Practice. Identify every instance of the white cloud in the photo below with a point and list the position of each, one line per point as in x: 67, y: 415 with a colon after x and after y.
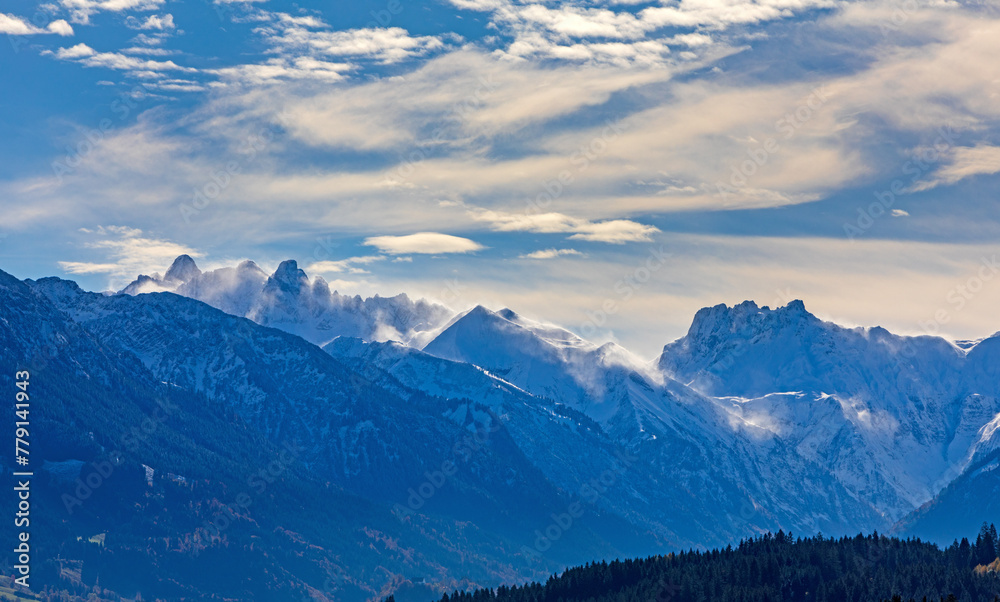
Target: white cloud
x: 297, y: 35
x: 146, y: 50
x: 302, y: 21
x: 440, y: 128
x: 551, y: 254
x: 13, y: 25
x: 445, y: 124
x: 150, y: 39
x: 81, y: 10
x: 130, y: 251
x: 423, y: 243
x: 616, y: 231
x: 304, y: 48
x: 75, y: 52
x: 60, y: 27
x: 79, y: 267
x: 900, y: 213
x: 454, y: 99
x: 570, y: 31
x: 280, y: 69
x: 152, y: 22
x: 348, y: 265
x: 720, y: 14
x: 573, y: 21
x: 17, y: 26
x: 690, y: 39
x: 177, y: 85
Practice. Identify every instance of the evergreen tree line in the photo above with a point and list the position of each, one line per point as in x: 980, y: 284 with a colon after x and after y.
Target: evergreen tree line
x: 780, y: 568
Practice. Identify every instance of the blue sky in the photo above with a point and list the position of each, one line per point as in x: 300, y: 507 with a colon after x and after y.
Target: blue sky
x: 558, y: 158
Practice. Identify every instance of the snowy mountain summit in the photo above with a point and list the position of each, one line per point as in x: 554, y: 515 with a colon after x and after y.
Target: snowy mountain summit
x: 289, y: 300
x: 894, y: 417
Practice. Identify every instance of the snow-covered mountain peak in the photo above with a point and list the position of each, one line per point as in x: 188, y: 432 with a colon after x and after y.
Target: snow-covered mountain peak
x: 346, y: 346
x: 506, y: 331
x: 183, y: 269
x: 289, y: 300
x: 288, y: 278
x: 748, y: 318
x: 250, y: 267
x: 52, y: 286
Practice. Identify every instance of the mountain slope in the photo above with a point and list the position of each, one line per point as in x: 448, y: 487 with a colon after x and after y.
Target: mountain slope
x: 730, y: 476
x: 364, y: 432
x: 961, y: 507
x: 157, y: 470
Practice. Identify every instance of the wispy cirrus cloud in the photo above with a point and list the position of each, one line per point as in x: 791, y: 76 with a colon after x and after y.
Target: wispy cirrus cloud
x: 457, y: 128
x: 964, y: 162
x: 460, y: 98
x: 88, y: 57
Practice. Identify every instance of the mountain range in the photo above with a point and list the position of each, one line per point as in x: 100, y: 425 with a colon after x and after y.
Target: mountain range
x: 433, y: 450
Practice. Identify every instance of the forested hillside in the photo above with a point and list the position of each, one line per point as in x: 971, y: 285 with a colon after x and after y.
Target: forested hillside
x: 779, y: 567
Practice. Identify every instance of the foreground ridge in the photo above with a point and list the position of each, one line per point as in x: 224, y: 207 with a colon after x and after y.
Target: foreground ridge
x: 871, y: 568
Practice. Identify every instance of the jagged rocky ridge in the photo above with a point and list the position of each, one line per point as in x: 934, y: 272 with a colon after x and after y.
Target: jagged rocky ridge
x: 291, y: 301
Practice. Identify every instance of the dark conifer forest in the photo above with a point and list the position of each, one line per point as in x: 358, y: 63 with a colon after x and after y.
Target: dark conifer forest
x: 781, y: 568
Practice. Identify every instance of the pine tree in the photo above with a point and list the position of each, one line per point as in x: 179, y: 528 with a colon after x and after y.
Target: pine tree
x: 986, y: 545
